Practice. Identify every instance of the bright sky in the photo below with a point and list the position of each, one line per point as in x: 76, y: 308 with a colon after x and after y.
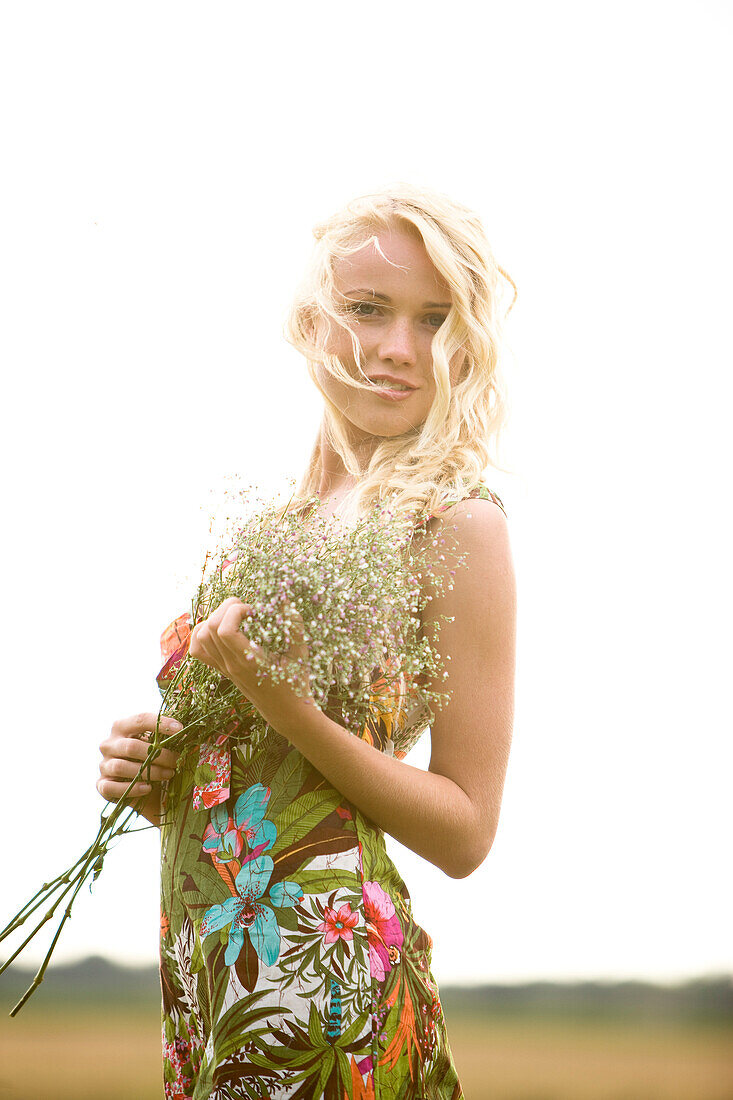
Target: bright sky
x: 164, y: 165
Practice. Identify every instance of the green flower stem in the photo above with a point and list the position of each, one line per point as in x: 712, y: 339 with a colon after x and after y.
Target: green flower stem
x: 42, y: 969
x: 48, y: 889
x: 91, y: 866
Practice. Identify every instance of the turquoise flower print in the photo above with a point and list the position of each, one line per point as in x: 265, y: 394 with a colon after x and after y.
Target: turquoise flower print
x: 225, y: 836
x: 247, y: 914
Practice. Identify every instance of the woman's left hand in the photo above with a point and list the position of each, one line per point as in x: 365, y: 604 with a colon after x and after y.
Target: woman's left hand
x: 219, y: 642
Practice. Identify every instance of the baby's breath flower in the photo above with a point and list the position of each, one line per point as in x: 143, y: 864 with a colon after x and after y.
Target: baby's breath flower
x: 357, y: 591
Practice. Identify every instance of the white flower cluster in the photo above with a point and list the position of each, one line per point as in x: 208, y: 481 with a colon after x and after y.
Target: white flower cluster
x: 352, y: 595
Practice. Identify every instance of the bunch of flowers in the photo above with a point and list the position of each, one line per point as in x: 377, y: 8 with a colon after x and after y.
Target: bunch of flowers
x: 353, y: 594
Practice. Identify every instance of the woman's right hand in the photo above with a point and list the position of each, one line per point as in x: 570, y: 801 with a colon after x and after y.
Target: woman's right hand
x: 122, y: 754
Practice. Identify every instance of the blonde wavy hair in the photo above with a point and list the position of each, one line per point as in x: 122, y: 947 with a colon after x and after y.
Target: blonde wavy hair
x: 445, y: 457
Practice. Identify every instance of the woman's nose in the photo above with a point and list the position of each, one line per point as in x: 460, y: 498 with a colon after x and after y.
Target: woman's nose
x: 398, y: 341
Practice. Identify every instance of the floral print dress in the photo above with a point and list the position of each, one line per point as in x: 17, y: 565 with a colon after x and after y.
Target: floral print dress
x: 291, y: 965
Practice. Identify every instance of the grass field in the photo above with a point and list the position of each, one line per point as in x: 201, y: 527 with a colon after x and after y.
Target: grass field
x: 87, y: 1053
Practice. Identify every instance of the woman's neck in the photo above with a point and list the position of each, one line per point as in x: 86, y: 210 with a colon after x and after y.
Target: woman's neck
x: 331, y: 496
x: 336, y: 481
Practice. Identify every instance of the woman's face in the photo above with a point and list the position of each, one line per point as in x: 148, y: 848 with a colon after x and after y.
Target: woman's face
x: 394, y: 312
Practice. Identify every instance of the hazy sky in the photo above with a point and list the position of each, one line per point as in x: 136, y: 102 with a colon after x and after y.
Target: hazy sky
x: 163, y: 167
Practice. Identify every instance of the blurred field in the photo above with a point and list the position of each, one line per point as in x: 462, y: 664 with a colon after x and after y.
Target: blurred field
x: 546, y: 1059
x: 56, y: 1052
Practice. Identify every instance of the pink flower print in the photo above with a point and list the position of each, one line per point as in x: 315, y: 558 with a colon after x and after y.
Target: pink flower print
x: 383, y: 929
x: 213, y: 774
x: 221, y: 840
x: 338, y: 925
x: 178, y: 1056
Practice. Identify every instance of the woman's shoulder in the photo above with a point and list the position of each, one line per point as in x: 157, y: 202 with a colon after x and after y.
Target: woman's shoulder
x: 479, y: 535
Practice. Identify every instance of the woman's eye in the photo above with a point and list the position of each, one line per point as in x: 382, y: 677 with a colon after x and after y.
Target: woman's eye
x: 369, y: 309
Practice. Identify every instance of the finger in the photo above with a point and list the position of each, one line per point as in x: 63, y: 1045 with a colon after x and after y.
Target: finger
x: 162, y: 767
x: 137, y: 725
x: 220, y: 637
x: 120, y: 768
x: 224, y: 606
x: 211, y: 623
x: 204, y: 648
x: 113, y: 792
x: 202, y: 644
x: 230, y: 632
x: 129, y: 748
x: 167, y: 758
x: 133, y: 749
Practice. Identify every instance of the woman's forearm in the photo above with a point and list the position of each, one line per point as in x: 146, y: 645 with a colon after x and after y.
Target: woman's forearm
x: 428, y: 812
x: 425, y: 811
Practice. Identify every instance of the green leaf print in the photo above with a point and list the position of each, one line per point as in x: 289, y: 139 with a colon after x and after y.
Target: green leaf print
x: 315, y: 1028
x: 237, y: 1022
x: 326, y: 1071
x: 343, y: 1063
x: 208, y: 882
x: 303, y: 817
x: 204, y: 774
x: 202, y: 993
x: 197, y: 957
x: 169, y: 1030
x: 321, y: 882
x: 322, y: 796
x: 287, y: 781
x: 204, y: 1082
x: 353, y: 1030
x: 286, y: 918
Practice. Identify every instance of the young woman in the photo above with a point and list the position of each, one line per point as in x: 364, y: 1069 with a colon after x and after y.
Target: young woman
x: 291, y: 965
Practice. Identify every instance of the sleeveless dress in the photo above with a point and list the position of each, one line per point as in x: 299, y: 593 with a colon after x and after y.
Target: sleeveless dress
x: 291, y: 966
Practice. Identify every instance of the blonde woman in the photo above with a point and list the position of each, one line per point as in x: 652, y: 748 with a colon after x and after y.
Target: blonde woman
x: 306, y: 975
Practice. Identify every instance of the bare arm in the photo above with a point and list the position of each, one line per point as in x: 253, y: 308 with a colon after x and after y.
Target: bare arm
x: 448, y: 815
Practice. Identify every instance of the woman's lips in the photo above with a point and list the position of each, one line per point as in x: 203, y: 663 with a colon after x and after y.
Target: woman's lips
x: 392, y: 395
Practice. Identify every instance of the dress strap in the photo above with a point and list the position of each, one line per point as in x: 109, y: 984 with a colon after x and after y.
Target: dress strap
x: 480, y: 492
